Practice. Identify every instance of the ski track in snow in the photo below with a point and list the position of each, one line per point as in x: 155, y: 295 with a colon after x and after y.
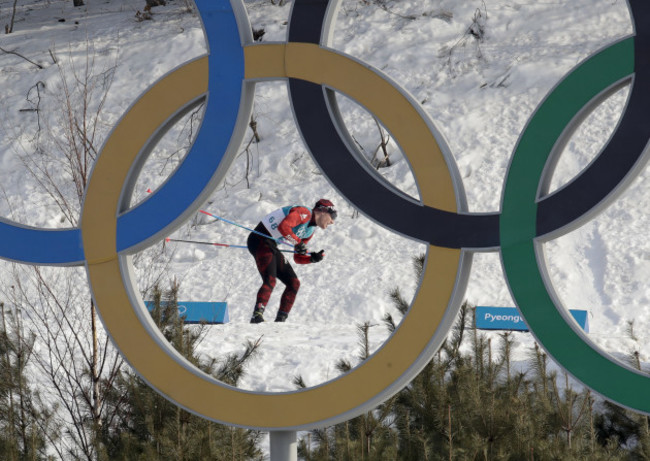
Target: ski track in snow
x: 479, y: 95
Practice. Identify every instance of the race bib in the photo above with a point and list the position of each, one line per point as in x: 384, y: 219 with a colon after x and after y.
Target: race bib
x: 272, y: 221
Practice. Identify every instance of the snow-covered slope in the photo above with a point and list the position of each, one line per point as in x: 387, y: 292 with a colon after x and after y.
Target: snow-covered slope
x: 478, y: 93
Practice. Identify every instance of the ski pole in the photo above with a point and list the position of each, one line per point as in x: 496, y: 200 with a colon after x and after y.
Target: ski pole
x: 149, y: 191
x: 244, y: 227
x: 223, y: 245
x: 197, y: 242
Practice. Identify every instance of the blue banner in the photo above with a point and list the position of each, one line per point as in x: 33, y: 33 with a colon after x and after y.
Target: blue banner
x: 196, y: 312
x: 508, y: 318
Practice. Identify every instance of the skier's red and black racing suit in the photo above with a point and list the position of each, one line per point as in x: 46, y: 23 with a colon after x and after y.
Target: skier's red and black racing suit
x: 295, y: 224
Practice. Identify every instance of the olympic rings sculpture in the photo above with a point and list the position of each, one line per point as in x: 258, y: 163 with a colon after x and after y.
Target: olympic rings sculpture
x: 110, y: 231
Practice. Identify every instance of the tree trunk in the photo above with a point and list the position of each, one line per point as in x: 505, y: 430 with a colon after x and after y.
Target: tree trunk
x: 450, y: 437
x: 95, y: 373
x: 78, y: 2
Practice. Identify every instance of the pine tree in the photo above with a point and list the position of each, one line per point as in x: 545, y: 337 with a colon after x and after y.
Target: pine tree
x: 153, y: 428
x: 364, y: 438
x: 25, y: 421
x: 468, y: 404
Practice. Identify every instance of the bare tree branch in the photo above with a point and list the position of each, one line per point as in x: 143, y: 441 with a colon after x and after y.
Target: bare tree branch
x: 21, y: 56
x: 9, y: 28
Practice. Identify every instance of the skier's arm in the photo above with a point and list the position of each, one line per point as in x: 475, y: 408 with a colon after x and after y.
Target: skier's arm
x: 298, y: 215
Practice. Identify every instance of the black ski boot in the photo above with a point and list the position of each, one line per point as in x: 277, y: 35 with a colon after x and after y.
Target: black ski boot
x: 258, y: 314
x: 281, y: 317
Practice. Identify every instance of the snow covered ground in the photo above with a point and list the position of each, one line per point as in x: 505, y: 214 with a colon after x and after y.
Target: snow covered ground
x: 479, y: 95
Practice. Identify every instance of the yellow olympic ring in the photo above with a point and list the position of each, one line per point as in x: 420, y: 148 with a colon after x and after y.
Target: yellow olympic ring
x: 110, y: 273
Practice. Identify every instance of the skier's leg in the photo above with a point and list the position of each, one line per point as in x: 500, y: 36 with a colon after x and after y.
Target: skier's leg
x: 287, y: 276
x: 266, y: 262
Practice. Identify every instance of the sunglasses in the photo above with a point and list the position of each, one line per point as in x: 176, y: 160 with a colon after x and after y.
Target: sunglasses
x: 330, y: 210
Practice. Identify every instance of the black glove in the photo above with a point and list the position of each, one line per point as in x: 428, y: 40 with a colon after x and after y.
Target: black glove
x: 301, y: 248
x: 317, y: 257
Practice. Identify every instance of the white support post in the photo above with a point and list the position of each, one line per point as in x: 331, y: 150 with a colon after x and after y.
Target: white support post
x: 284, y: 446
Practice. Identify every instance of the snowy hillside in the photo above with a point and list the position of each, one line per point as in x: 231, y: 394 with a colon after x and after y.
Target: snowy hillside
x: 478, y: 93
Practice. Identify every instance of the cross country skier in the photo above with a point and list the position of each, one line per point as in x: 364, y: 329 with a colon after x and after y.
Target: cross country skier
x: 295, y: 224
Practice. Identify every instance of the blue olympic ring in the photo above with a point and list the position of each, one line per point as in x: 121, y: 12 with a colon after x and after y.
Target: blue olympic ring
x: 186, y: 188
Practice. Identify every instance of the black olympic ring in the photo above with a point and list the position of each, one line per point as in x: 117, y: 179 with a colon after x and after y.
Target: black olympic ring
x: 571, y: 205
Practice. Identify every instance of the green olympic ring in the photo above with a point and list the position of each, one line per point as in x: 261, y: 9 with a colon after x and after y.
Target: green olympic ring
x: 522, y: 252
